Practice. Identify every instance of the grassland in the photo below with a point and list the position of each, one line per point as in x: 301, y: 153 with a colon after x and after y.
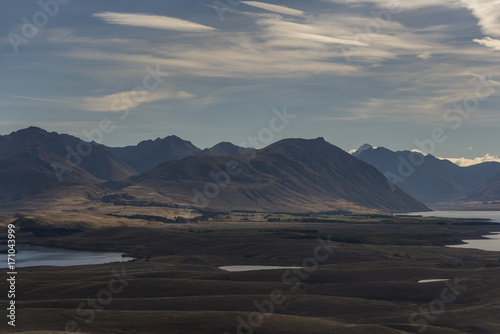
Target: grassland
x: 368, y: 284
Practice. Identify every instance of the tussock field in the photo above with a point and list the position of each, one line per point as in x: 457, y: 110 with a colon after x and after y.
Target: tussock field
x: 361, y: 278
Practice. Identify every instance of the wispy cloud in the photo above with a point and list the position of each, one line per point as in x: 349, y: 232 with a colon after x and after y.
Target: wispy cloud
x: 426, y: 55
x: 275, y: 8
x: 489, y: 43
x: 464, y: 162
x: 273, y: 53
x: 280, y: 48
x: 129, y: 99
x: 151, y: 21
x: 403, y: 5
x: 487, y: 12
x: 272, y: 46
x: 38, y: 99
x: 58, y: 35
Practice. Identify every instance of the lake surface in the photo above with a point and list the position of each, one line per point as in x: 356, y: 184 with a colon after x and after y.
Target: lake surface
x: 30, y: 256
x: 492, y: 241
x: 433, y: 280
x: 252, y: 268
x: 493, y: 215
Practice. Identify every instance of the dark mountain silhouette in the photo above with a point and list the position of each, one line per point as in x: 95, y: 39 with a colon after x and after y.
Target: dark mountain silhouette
x: 92, y: 157
x: 28, y: 170
x: 150, y: 153
x: 223, y: 149
x: 427, y: 178
x: 291, y: 175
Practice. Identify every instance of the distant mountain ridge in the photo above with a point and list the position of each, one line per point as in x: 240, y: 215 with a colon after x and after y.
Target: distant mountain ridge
x: 150, y: 153
x: 223, y: 149
x: 294, y: 174
x: 92, y: 157
x: 27, y: 170
x: 434, y: 180
x: 116, y: 163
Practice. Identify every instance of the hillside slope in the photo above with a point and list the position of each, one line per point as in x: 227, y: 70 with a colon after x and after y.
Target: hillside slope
x: 432, y: 181
x: 290, y: 175
x: 92, y: 157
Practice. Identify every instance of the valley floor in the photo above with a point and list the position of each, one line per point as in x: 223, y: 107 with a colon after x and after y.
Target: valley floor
x: 361, y: 278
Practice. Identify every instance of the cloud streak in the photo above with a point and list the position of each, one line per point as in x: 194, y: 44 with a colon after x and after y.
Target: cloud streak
x: 489, y: 43
x: 151, y: 21
x: 464, y: 162
x: 129, y: 99
x: 402, y: 4
x: 275, y: 8
x: 38, y: 99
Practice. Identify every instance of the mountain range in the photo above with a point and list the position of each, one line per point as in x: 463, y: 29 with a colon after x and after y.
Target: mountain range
x: 149, y: 153
x: 96, y: 159
x: 26, y: 170
x: 291, y: 175
x: 432, y: 180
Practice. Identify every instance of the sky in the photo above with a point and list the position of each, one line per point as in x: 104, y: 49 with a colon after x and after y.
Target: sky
x: 422, y: 75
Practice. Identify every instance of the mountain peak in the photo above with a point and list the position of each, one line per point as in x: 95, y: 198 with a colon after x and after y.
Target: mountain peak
x: 224, y: 148
x: 173, y: 137
x: 300, y: 142
x: 30, y: 130
x: 364, y: 147
x: 307, y: 148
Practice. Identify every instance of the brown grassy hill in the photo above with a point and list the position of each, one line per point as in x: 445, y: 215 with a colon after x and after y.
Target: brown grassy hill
x: 291, y: 175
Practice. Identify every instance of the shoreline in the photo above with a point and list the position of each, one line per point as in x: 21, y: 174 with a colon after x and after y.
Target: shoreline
x: 348, y: 233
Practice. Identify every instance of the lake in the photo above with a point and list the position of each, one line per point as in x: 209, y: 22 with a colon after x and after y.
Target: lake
x: 491, y: 243
x: 30, y: 256
x: 493, y: 215
x: 433, y: 280
x: 252, y: 268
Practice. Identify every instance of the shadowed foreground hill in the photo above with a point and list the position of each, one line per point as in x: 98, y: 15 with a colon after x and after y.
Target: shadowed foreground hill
x: 291, y: 175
